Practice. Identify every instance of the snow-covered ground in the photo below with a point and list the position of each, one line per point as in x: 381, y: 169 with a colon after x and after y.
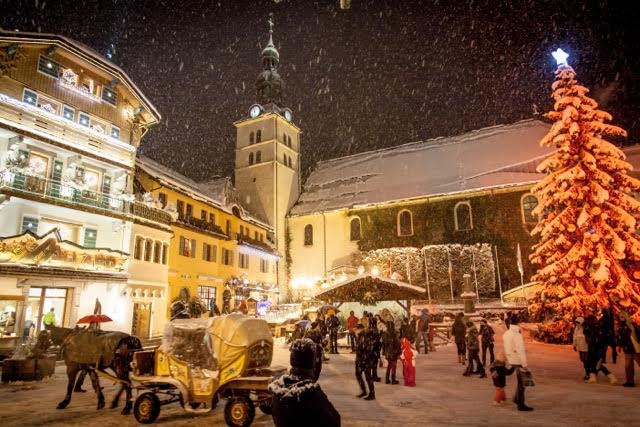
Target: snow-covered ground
x: 443, y: 397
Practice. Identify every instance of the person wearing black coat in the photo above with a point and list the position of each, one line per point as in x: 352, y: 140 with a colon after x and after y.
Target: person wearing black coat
x: 626, y: 329
x: 365, y: 360
x: 315, y: 335
x: 607, y: 324
x: 406, y: 331
x: 376, y: 342
x: 459, y: 332
x: 391, y: 350
x: 296, y: 398
x: 486, y: 334
x: 333, y: 325
x: 593, y: 332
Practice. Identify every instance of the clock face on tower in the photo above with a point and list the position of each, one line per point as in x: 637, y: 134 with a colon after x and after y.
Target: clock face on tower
x: 287, y: 115
x: 255, y: 111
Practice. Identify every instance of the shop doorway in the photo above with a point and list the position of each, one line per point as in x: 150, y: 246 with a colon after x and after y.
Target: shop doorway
x: 141, y: 319
x: 41, y: 301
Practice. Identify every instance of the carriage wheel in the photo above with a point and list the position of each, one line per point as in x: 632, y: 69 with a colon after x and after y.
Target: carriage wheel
x: 147, y: 408
x: 239, y: 411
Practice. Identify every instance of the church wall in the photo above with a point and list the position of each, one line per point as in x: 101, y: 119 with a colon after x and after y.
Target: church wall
x: 497, y: 220
x: 331, y: 248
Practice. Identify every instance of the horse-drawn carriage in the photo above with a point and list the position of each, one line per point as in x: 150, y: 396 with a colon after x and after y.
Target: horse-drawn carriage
x: 203, y: 360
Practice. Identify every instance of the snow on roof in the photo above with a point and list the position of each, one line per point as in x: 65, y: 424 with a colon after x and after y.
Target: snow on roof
x: 218, y: 191
x: 81, y: 50
x: 498, y: 155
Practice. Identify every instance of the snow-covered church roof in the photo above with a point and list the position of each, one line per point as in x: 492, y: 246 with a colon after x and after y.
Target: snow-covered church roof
x: 496, y: 156
x: 218, y: 191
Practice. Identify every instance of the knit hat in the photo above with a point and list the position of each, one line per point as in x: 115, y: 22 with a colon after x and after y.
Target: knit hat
x: 303, y: 357
x: 580, y: 320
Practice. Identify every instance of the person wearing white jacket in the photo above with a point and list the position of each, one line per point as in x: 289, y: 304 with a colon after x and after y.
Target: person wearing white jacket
x: 516, y: 357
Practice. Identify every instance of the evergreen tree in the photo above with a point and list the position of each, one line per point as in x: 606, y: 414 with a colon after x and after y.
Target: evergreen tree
x: 589, y: 252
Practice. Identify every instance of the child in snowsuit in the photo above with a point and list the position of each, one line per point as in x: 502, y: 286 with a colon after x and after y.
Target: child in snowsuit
x: 408, y: 357
x: 499, y: 374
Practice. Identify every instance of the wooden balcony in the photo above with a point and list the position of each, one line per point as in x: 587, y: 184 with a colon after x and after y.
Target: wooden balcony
x: 40, y: 124
x: 48, y: 191
x: 143, y: 211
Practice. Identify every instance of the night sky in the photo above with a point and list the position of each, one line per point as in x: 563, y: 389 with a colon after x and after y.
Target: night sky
x: 384, y: 73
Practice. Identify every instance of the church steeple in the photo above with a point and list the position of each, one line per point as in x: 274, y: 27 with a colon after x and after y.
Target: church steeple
x: 269, y: 84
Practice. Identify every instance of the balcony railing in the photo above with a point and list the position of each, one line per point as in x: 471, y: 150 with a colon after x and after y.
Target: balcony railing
x: 241, y: 238
x: 56, y: 191
x: 201, y: 224
x: 38, y: 121
x: 156, y: 215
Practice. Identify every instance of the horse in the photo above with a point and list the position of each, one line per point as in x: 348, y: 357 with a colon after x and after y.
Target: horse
x: 91, y: 350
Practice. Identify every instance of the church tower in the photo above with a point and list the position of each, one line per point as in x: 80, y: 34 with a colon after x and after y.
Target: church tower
x: 267, y: 166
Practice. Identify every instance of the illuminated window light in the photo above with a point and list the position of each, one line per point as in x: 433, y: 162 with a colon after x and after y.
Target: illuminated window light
x: 49, y: 65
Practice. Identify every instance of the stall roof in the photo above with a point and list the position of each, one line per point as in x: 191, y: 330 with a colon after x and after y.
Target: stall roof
x: 382, y: 289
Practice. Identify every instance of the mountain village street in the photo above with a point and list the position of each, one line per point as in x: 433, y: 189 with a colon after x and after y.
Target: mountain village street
x: 442, y: 397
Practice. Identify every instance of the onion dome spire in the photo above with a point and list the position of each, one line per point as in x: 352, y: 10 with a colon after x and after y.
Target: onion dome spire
x: 269, y: 84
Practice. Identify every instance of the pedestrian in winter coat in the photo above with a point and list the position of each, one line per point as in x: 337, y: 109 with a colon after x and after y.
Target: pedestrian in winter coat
x: 333, y: 325
x: 486, y: 337
x: 364, y: 362
x: 473, y: 348
x: 391, y: 351
x: 607, y: 324
x: 629, y: 340
x: 406, y: 331
x: 459, y: 333
x: 408, y: 357
x: 296, y: 398
x: 423, y: 331
x: 352, y: 322
x: 580, y: 345
x: 516, y: 356
x: 315, y: 335
x: 593, y: 331
x: 499, y: 372
x: 376, y: 344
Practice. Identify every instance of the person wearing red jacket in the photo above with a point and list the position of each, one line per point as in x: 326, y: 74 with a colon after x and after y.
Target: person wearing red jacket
x: 408, y: 357
x: 352, y: 322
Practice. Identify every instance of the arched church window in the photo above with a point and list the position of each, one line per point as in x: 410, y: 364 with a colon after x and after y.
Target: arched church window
x: 290, y: 162
x: 529, y: 203
x: 284, y: 159
x: 308, y: 235
x: 405, y: 223
x: 251, y: 136
x: 258, y: 157
x: 355, y: 230
x: 250, y: 159
x: 289, y: 141
x: 462, y: 216
x: 258, y: 136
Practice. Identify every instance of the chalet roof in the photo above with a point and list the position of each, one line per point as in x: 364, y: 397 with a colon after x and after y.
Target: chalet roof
x: 495, y: 156
x: 85, y: 52
x: 218, y: 191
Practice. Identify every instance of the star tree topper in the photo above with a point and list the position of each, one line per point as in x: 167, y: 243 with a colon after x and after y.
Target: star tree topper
x: 560, y: 57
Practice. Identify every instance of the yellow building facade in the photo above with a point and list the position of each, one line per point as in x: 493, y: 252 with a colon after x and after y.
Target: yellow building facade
x: 216, y: 244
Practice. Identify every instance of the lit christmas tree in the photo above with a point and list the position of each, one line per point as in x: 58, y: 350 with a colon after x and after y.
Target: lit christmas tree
x: 588, y: 253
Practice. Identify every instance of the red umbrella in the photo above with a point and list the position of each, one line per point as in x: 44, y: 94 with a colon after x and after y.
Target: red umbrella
x: 95, y: 318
